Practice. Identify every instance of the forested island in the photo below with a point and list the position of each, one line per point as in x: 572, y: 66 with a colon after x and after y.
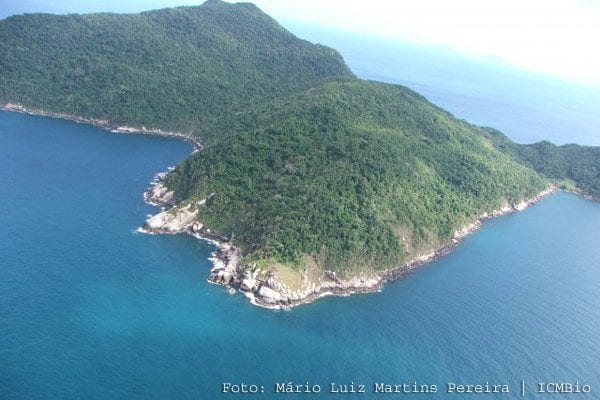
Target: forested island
x: 310, y: 181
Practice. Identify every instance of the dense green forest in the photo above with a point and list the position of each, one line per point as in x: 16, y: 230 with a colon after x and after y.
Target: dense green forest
x: 183, y: 68
x: 302, y: 160
x: 571, y: 165
x: 353, y: 173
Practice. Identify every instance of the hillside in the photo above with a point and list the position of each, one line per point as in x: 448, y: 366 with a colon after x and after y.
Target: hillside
x: 307, y: 172
x: 183, y: 68
x: 572, y: 166
x: 352, y: 174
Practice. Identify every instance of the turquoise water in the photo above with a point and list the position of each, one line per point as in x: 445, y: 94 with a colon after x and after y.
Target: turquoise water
x: 90, y: 309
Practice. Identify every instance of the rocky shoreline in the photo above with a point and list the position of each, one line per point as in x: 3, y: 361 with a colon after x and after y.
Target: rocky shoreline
x: 104, y: 124
x: 175, y: 219
x: 265, y: 289
x: 460, y: 234
x: 583, y: 194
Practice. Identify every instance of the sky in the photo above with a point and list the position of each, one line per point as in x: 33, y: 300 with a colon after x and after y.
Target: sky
x: 556, y: 37
x: 553, y: 37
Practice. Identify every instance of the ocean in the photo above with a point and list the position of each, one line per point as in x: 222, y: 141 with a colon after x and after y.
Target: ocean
x: 527, y: 107
x: 92, y: 309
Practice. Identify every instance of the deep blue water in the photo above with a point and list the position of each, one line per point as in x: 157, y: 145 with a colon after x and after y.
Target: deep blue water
x: 91, y: 309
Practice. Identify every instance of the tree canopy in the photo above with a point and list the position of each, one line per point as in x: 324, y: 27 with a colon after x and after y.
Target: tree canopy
x: 302, y: 159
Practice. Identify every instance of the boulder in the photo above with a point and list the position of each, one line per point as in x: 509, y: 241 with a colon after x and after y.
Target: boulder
x: 269, y: 295
x: 248, y: 284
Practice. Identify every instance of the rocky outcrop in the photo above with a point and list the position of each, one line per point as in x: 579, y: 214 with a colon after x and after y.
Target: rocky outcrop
x: 183, y: 219
x: 265, y: 288
x: 158, y: 194
x: 175, y: 220
x: 270, y: 292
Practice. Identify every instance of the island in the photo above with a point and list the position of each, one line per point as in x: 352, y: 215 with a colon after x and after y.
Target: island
x: 308, y: 180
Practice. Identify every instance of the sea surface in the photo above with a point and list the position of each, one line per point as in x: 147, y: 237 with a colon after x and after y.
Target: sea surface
x: 526, y: 107
x: 91, y: 309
